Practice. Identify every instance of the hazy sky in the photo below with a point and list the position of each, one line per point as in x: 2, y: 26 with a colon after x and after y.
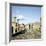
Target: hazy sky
x: 28, y: 14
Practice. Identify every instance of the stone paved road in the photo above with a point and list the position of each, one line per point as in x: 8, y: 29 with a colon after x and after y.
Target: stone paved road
x: 28, y: 35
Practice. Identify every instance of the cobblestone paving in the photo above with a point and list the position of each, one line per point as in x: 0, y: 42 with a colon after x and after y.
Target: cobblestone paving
x: 28, y: 35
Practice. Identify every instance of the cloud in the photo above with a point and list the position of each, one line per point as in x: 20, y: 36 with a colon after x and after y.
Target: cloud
x: 21, y: 17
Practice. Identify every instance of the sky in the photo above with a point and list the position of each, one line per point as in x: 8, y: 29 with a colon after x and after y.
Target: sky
x: 26, y: 14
